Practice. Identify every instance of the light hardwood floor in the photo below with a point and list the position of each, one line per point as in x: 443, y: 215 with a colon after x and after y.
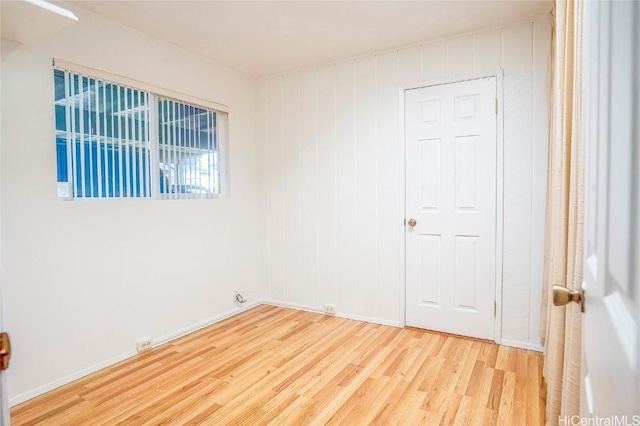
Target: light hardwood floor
x: 272, y: 365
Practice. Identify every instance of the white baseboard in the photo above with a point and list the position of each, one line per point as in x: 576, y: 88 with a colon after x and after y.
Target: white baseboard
x: 297, y: 306
x: 202, y: 324
x: 70, y: 378
x: 522, y: 345
x: 111, y: 361
x: 317, y: 310
x: 512, y: 343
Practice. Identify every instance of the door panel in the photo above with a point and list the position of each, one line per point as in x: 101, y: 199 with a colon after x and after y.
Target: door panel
x: 430, y: 276
x: 610, y: 335
x: 466, y: 163
x: 451, y: 193
x: 430, y: 174
x: 466, y: 282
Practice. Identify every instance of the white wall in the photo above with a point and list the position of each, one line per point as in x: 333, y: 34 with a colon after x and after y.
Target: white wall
x: 83, y: 279
x: 333, y: 171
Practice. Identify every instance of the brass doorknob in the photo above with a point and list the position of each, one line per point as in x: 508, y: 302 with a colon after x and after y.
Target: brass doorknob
x: 5, y: 351
x: 412, y: 222
x: 563, y: 296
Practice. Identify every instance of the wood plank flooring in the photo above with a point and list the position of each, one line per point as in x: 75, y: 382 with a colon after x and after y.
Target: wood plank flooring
x: 272, y: 365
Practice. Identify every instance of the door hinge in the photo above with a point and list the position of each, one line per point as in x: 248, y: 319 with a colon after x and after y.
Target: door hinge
x: 496, y: 105
x: 495, y: 308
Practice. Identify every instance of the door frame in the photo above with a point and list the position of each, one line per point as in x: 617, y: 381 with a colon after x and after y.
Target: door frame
x: 498, y: 74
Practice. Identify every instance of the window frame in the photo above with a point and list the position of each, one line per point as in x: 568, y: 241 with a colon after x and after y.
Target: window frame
x: 155, y: 93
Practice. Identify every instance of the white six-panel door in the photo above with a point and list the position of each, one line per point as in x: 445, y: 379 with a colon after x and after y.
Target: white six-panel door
x: 611, y: 323
x: 450, y: 137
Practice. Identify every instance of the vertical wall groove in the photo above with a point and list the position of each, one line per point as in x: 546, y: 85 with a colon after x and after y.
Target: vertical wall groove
x: 376, y: 185
x: 283, y: 217
x: 266, y: 177
x: 532, y: 224
x: 299, y: 188
x: 317, y: 131
x: 355, y: 181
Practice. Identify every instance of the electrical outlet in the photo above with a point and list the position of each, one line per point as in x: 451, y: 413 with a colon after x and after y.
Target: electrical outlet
x: 143, y: 344
x: 330, y: 309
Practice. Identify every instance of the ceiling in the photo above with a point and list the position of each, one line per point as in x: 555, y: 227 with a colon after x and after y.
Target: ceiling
x: 24, y: 23
x: 267, y: 37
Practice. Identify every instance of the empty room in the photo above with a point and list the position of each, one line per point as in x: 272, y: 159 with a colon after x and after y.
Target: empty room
x: 320, y: 212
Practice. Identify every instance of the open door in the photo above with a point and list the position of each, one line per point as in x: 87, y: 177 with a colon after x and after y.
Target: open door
x: 610, y: 354
x: 4, y: 358
x: 5, y: 353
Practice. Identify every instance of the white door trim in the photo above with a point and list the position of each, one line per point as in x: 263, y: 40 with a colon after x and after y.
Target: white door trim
x: 498, y: 74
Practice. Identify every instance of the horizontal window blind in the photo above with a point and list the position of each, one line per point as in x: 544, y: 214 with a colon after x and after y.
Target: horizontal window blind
x: 114, y: 141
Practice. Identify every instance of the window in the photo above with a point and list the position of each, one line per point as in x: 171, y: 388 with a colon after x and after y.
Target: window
x: 116, y: 141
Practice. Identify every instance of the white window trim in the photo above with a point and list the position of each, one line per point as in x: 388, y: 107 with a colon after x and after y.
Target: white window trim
x: 139, y: 85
